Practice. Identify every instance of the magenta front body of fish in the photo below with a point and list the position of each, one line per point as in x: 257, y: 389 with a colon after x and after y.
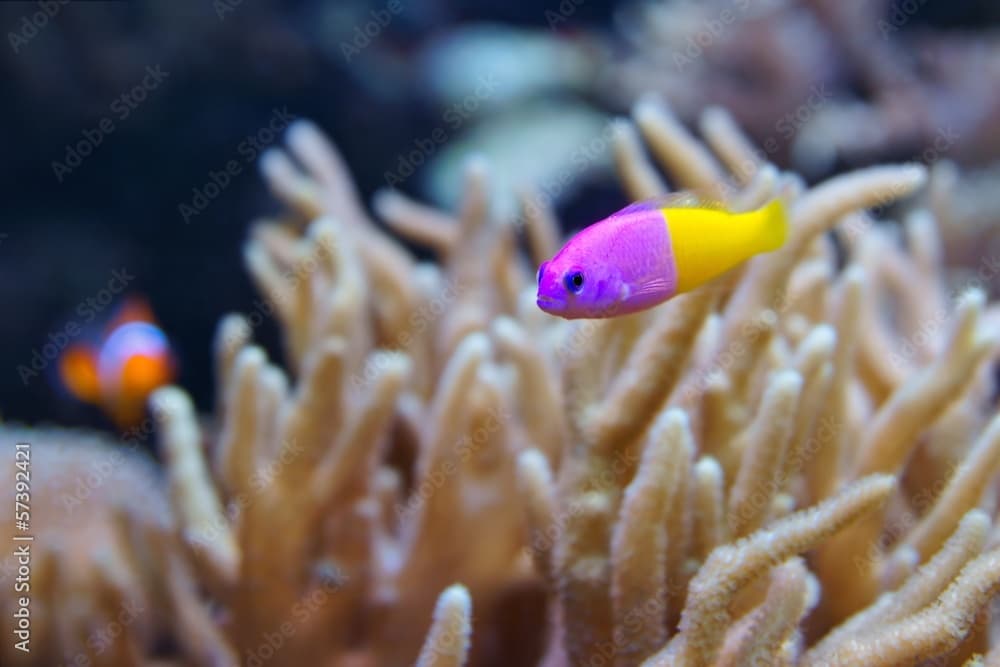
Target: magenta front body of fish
x: 619, y: 265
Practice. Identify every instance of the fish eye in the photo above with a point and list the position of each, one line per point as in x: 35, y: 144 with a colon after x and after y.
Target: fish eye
x: 574, y: 282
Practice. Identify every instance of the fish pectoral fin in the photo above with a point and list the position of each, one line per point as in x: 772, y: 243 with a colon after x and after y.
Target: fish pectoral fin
x: 653, y: 286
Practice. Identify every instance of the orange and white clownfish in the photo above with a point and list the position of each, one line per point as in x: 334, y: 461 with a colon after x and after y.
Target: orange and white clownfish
x: 118, y: 369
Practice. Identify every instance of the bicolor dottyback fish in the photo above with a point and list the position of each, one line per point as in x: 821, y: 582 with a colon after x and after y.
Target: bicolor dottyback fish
x: 652, y: 250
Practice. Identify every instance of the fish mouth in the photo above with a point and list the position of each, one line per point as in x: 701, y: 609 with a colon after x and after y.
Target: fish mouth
x: 547, y: 303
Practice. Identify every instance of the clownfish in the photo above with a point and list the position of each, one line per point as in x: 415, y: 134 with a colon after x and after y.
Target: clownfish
x: 651, y: 251
x: 120, y: 368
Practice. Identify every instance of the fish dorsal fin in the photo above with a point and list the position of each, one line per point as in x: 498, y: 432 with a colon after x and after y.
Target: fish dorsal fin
x: 687, y: 199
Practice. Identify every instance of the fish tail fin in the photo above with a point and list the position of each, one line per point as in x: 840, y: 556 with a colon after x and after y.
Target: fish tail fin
x: 773, y: 220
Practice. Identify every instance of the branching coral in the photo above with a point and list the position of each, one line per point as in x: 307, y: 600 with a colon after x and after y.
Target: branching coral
x: 768, y: 470
x: 104, y: 582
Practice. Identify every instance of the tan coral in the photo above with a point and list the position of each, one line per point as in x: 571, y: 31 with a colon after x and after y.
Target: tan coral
x: 91, y: 569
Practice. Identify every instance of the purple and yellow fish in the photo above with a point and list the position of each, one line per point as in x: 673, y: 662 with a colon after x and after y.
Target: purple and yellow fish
x: 652, y: 250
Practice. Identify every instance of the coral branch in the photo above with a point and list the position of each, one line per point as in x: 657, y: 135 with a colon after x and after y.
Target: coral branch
x: 731, y: 567
x: 314, y: 417
x: 914, y: 406
x: 538, y: 392
x: 539, y: 502
x: 764, y: 444
x: 637, y: 173
x: 356, y: 451
x: 729, y: 142
x: 920, y: 590
x: 688, y: 160
x: 814, y: 213
x: 639, y: 544
x: 930, y: 633
x: 651, y: 370
x: 232, y: 334
x: 236, y: 453
x: 768, y: 627
x: 541, y: 227
x: 709, y: 507
x: 963, y: 491
x: 203, y: 523
x: 447, y: 643
x: 417, y: 222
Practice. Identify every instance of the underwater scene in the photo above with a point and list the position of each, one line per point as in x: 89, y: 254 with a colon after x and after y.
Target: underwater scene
x: 568, y: 333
